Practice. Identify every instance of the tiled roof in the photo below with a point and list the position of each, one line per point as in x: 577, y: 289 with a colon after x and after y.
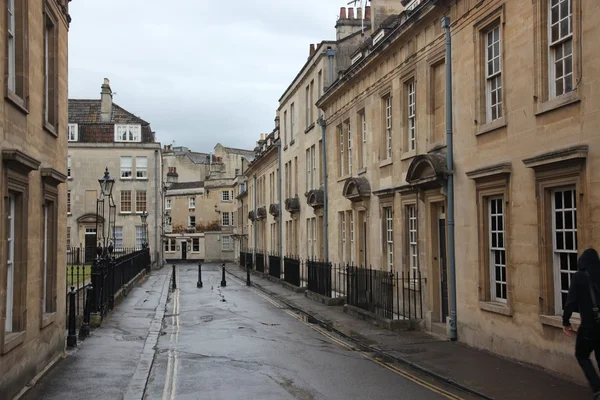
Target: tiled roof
x: 243, y: 152
x: 199, y: 158
x: 88, y: 112
x: 187, y: 185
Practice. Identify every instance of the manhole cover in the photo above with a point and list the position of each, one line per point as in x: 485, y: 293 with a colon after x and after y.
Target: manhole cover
x: 206, y: 318
x: 130, y: 338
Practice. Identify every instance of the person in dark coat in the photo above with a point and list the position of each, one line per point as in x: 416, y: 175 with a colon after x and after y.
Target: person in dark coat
x: 579, y: 300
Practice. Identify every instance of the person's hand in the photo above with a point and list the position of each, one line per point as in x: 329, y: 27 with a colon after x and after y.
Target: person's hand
x: 567, y: 330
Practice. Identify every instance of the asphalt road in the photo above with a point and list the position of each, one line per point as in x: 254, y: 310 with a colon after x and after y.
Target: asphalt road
x: 234, y: 342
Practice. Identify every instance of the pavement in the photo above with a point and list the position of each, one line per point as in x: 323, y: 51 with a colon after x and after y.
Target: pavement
x: 478, y: 372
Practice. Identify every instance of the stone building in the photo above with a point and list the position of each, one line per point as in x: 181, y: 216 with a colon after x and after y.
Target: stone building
x: 33, y: 130
x: 116, y: 139
x: 200, y: 210
x: 524, y: 149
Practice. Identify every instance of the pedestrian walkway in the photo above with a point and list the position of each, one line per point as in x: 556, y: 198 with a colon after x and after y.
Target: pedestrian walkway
x: 114, y: 362
x: 479, y: 371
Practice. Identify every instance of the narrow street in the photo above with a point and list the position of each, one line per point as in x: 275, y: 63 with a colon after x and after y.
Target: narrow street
x: 236, y: 343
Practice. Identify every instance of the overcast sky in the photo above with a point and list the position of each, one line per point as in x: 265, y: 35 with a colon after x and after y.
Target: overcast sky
x: 199, y: 71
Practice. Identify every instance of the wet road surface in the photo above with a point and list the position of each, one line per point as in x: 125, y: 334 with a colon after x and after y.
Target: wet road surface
x: 236, y: 343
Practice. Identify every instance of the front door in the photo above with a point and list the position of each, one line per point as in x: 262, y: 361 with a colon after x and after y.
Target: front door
x: 90, y: 245
x: 184, y: 250
x: 443, y: 265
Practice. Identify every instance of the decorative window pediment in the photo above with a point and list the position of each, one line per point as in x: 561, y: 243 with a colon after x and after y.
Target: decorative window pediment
x: 356, y: 189
x: 292, y: 205
x: 315, y: 198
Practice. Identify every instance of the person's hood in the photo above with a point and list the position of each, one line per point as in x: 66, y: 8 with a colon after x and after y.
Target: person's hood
x: 589, y: 261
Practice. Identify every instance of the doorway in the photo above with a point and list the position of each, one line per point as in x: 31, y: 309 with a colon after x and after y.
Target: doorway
x: 184, y: 250
x: 362, y: 244
x: 443, y: 262
x: 90, y: 245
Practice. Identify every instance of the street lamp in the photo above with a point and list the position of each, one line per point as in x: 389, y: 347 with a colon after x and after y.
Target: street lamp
x: 144, y: 217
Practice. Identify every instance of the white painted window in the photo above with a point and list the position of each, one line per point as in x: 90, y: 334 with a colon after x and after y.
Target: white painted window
x: 10, y: 261
x: 313, y: 156
x: 227, y: 195
x: 140, y: 201
x: 497, y: 250
x: 363, y: 123
x: 351, y: 217
x: 118, y: 245
x: 378, y: 37
x: 343, y: 236
x: 168, y: 203
x: 308, y: 106
x: 412, y: 116
x: 191, y: 202
x: 349, y: 149
x: 388, y: 127
x: 389, y: 236
x: 191, y: 220
x: 226, y: 243
x: 126, y: 167
x: 68, y: 202
x: 292, y: 131
x: 141, y: 167
x: 45, y: 260
x: 560, y: 40
x: 196, y: 244
x: 342, y: 145
x: 69, y: 167
x: 225, y: 220
x: 126, y: 201
x: 493, y: 74
x: 12, y: 47
x: 73, y: 132
x: 564, y: 241
x: 139, y: 236
x: 311, y: 229
x: 285, y: 128
x: 128, y: 133
x: 411, y: 214
x: 47, y: 77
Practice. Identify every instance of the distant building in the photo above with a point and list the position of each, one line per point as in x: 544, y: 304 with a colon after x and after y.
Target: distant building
x: 104, y: 135
x: 200, y: 211
x: 33, y: 122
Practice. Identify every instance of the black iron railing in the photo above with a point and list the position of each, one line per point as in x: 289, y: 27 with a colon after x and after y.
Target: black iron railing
x: 392, y: 295
x: 242, y: 259
x: 292, y: 270
x: 260, y: 261
x: 275, y: 266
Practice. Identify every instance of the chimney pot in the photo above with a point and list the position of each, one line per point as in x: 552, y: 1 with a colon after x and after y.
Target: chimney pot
x: 312, y: 49
x: 359, y: 13
x: 368, y: 13
x: 343, y: 13
x: 350, y: 13
x: 106, y: 101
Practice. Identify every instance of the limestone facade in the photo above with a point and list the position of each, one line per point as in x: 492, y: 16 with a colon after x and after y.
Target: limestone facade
x: 524, y: 108
x: 33, y: 134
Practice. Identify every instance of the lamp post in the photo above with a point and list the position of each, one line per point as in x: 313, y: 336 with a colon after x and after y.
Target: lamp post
x: 144, y: 218
x: 102, y: 274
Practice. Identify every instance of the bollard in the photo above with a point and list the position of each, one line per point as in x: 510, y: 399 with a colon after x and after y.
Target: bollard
x: 199, y: 284
x: 84, y: 331
x: 223, y: 282
x: 174, y: 277
x: 72, y: 336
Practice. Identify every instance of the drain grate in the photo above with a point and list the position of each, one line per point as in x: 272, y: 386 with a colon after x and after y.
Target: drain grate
x: 130, y: 338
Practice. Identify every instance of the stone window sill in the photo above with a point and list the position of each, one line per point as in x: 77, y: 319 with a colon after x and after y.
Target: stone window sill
x: 285, y: 147
x: 344, y: 177
x: 494, y: 307
x: 48, y: 127
x: 558, y: 102
x: 311, y: 126
x: 12, y: 340
x: 362, y: 171
x: 48, y: 319
x: 17, y: 101
x: 292, y: 142
x: 385, y: 163
x: 409, y: 154
x: 491, y: 126
x: 556, y: 321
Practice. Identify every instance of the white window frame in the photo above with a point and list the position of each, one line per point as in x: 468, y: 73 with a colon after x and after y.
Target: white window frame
x: 69, y: 199
x: 141, y: 168
x: 388, y: 216
x: 343, y: 235
x: 45, y: 259
x: 69, y: 176
x: 191, y: 203
x: 497, y: 247
x: 226, y: 243
x: 139, y: 236
x: 412, y: 115
x: 12, y: 46
x: 196, y: 245
x: 118, y: 237
x: 363, y: 121
x: 342, y: 145
x: 225, y: 221
x: 191, y: 221
x: 558, y: 47
x: 226, y: 196
x: 10, y: 262
x: 413, y: 252
x: 388, y: 127
x: 352, y: 249
x: 349, y: 163
x: 126, y: 167
x: 168, y: 203
x: 308, y: 106
x: 571, y: 254
x: 313, y: 165
x: 493, y: 74
x: 292, y: 123
x: 131, y: 201
x: 145, y: 201
x: 73, y: 132
x: 128, y: 133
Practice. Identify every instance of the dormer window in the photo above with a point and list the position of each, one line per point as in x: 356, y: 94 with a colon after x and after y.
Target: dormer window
x: 73, y: 133
x: 128, y: 133
x: 378, y: 37
x: 356, y: 58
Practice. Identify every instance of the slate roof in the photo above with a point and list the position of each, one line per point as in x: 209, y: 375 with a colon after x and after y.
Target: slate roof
x: 83, y: 111
x: 187, y: 185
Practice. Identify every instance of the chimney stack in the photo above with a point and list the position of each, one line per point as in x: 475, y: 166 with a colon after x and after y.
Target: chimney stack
x: 359, y: 13
x: 106, y: 101
x: 312, y: 50
x: 350, y: 13
x: 343, y: 13
x: 368, y: 13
